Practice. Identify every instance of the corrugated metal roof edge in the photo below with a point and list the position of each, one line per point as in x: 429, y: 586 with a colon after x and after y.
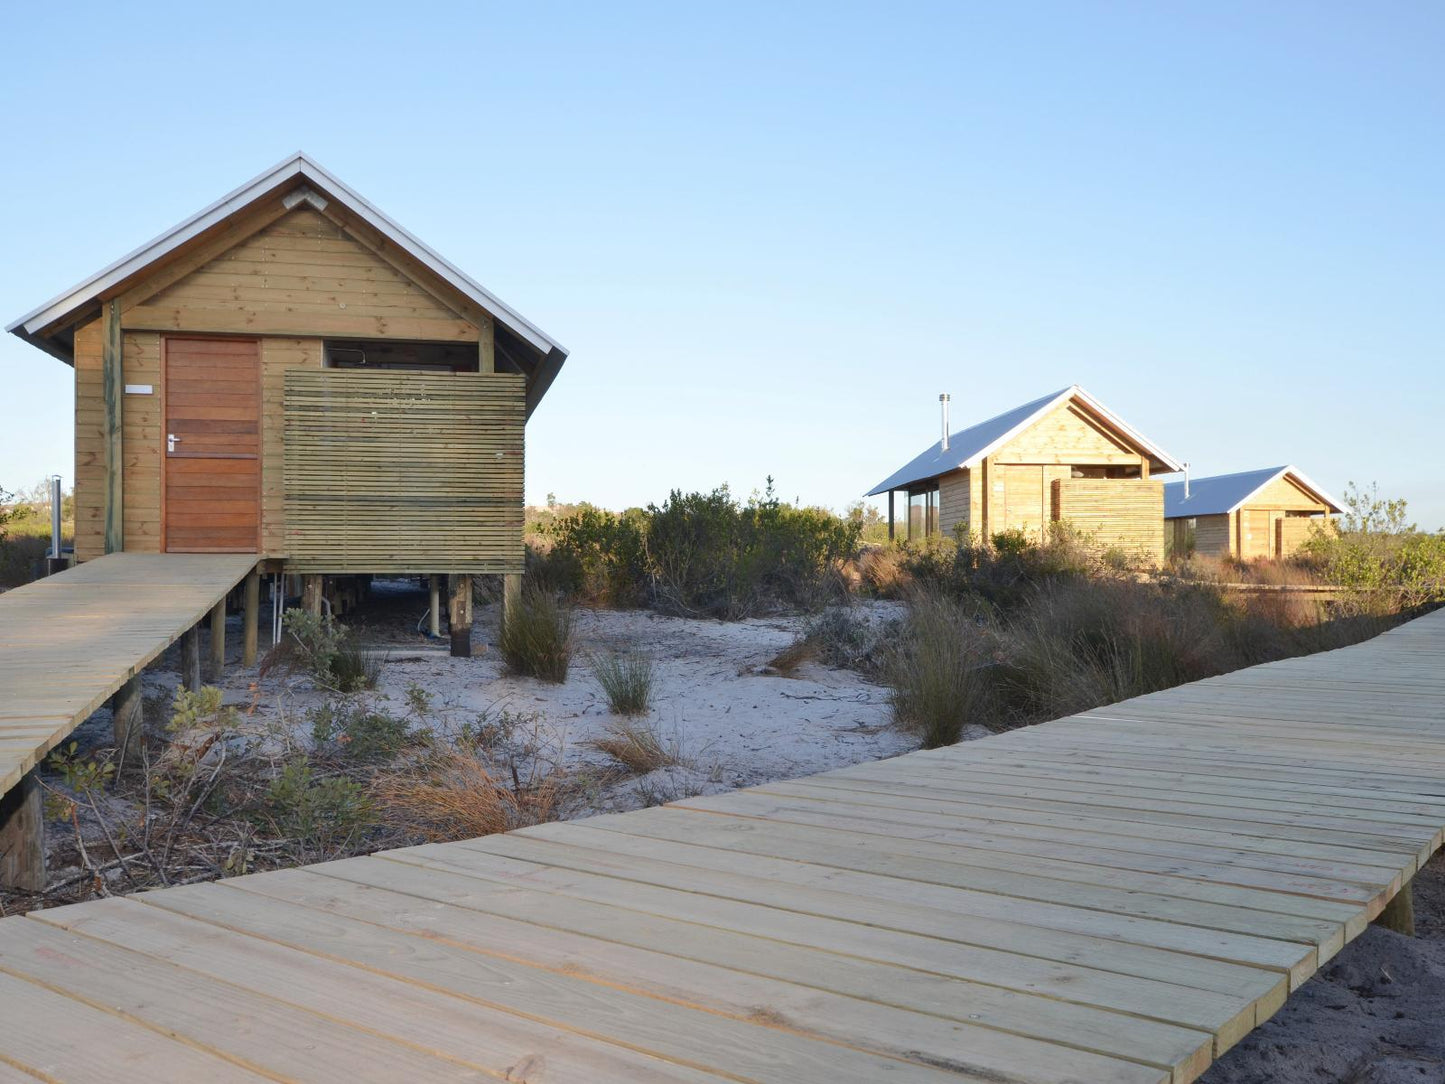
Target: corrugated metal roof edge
x: 1072, y: 391
x: 298, y: 164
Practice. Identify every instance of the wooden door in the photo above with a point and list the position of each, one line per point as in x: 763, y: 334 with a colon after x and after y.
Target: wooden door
x: 213, y: 445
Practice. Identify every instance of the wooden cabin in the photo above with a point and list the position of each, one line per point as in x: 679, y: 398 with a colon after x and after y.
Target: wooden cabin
x: 290, y: 373
x: 1063, y: 458
x: 1259, y: 513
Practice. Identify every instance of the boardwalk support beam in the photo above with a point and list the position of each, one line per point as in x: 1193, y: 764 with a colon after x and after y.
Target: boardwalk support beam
x: 1399, y: 913
x: 218, y: 639
x: 459, y: 614
x: 191, y: 658
x: 127, y: 713
x: 22, y: 836
x: 251, y: 615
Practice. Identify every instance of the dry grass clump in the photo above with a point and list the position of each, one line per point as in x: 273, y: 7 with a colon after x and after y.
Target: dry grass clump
x: 536, y: 637
x: 938, y: 671
x: 626, y: 677
x: 804, y: 649
x: 638, y: 746
x: 452, y: 794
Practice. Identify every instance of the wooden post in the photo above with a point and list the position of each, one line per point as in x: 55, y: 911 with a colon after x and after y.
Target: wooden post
x: 127, y: 719
x: 435, y: 625
x: 486, y: 348
x: 218, y: 639
x: 113, y: 376
x: 191, y: 658
x: 22, y: 836
x: 250, y: 618
x: 1399, y: 913
x: 459, y: 613
x: 311, y: 588
x: 511, y: 594
x: 890, y: 515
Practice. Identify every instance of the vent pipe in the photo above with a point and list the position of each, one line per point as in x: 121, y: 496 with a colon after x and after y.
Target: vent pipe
x: 943, y: 400
x: 1186, y: 481
x: 55, y: 516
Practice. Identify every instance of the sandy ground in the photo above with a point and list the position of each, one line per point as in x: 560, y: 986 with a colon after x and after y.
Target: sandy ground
x: 1373, y: 1015
x: 731, y: 720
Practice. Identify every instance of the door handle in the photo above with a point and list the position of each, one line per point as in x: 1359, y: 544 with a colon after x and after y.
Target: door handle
x: 171, y: 441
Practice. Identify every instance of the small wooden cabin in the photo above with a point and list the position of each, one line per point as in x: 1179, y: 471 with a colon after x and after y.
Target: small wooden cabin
x: 1258, y: 513
x: 290, y: 373
x: 1062, y: 458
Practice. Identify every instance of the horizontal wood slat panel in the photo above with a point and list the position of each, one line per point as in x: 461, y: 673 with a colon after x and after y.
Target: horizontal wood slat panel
x: 1118, y: 512
x: 393, y: 471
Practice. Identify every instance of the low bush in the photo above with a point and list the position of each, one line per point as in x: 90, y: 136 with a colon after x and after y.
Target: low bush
x: 594, y: 555
x: 326, y: 650
x: 536, y: 635
x: 357, y: 731
x: 327, y: 811
x: 626, y: 677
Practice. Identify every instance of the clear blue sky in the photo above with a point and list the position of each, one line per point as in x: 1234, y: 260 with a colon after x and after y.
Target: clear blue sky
x: 772, y: 234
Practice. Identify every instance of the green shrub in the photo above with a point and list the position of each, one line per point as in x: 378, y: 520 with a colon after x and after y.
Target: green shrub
x: 324, y: 812
x: 326, y: 650
x: 536, y: 635
x: 596, y: 555
x: 709, y: 555
x: 626, y: 677
x: 357, y: 732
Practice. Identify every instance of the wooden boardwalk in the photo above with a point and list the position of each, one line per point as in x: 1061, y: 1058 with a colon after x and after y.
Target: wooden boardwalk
x: 70, y: 641
x: 1117, y: 897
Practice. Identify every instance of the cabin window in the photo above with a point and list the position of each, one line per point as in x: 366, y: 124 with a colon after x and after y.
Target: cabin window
x: 922, y: 512
x: 410, y: 356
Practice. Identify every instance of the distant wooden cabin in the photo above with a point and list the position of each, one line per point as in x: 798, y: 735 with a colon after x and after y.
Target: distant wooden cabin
x: 290, y: 373
x: 1257, y: 513
x: 1063, y: 458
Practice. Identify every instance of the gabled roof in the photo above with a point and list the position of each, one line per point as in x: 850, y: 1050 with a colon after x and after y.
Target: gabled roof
x: 1224, y: 493
x: 294, y: 171
x: 968, y: 447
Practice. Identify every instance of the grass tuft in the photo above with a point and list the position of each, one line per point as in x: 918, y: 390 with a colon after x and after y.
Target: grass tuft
x: 638, y: 746
x: 451, y: 794
x: 938, y: 671
x: 536, y: 637
x: 626, y: 677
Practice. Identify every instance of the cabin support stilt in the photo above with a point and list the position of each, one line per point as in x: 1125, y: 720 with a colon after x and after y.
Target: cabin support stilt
x: 22, y: 836
x: 459, y: 613
x: 251, y: 616
x: 511, y: 593
x: 311, y: 591
x: 127, y: 714
x: 191, y: 658
x: 1399, y: 913
x: 435, y: 613
x: 218, y: 639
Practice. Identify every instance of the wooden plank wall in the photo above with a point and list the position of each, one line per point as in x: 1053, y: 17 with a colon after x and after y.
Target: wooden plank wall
x: 1066, y: 435
x: 142, y: 425
x: 403, y: 471
x: 953, y: 498
x: 1118, y: 512
x: 302, y: 275
x: 1211, y: 534
x: 1292, y: 531
x: 89, y: 444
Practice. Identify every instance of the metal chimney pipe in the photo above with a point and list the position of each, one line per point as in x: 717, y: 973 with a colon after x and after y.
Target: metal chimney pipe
x: 55, y: 516
x: 943, y: 399
x: 1186, y: 481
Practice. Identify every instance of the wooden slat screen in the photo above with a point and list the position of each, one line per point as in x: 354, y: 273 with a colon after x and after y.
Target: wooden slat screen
x: 1117, y: 512
x: 393, y: 471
